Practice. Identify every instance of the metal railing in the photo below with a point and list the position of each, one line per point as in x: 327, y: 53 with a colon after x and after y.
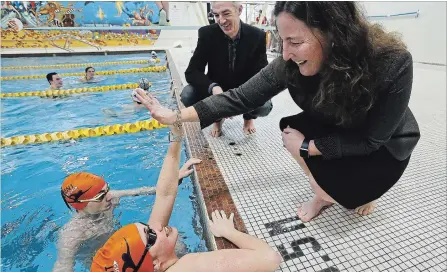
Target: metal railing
x: 415, y: 13
x: 123, y: 28
x: 67, y: 43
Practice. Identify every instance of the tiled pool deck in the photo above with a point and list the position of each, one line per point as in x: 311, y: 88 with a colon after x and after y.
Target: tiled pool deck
x: 257, y: 177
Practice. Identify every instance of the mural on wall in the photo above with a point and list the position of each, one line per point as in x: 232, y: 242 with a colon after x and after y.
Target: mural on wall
x: 18, y: 15
x: 80, y: 13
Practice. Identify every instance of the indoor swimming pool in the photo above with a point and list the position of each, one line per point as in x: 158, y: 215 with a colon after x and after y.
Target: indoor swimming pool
x: 32, y: 211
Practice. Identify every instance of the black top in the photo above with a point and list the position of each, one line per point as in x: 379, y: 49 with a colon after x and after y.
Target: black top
x: 389, y: 122
x: 212, y: 49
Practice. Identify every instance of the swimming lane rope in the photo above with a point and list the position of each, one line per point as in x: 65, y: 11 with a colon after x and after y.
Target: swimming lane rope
x: 70, y: 65
x: 111, y: 72
x: 53, y: 93
x: 82, y: 133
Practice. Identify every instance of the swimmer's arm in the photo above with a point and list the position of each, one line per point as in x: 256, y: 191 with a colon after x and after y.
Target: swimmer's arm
x: 67, y: 247
x: 134, y: 192
x: 253, y: 254
x: 167, y: 186
x: 109, y: 112
x: 234, y: 260
x: 183, y: 172
x: 128, y: 107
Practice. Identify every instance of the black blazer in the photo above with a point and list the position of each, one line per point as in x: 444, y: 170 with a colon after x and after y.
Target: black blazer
x: 212, y: 49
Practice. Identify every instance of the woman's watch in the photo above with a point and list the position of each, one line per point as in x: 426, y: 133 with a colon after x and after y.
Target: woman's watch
x: 304, y: 149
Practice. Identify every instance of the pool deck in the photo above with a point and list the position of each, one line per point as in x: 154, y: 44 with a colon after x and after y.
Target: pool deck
x: 256, y: 178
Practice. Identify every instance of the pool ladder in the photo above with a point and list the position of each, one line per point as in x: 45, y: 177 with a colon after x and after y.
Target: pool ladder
x: 67, y: 38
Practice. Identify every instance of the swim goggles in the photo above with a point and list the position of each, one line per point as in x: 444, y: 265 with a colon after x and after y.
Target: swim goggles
x: 75, y: 197
x: 126, y: 257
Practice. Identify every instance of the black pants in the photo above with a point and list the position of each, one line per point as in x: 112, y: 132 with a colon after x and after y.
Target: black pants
x: 351, y: 181
x: 189, y: 97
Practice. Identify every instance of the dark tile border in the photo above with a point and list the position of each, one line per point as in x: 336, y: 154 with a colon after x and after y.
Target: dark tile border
x: 210, y: 183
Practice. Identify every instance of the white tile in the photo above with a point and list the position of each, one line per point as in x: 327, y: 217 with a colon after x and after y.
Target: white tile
x: 407, y: 225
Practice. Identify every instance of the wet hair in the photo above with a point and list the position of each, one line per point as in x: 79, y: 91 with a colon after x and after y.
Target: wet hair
x: 50, y: 77
x: 86, y: 69
x: 347, y: 77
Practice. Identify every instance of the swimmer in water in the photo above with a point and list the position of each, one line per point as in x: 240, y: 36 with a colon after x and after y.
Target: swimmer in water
x: 93, y: 200
x: 128, y: 109
x: 89, y: 76
x: 55, y: 81
x: 154, y: 58
x: 150, y: 246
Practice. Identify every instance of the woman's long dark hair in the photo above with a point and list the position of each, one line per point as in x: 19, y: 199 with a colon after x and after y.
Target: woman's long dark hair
x: 347, y: 77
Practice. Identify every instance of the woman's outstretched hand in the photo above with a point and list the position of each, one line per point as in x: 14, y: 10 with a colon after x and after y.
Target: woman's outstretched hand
x: 158, y: 112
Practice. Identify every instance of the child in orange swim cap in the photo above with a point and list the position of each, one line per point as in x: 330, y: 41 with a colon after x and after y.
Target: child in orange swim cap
x: 79, y: 189
x: 124, y: 250
x: 93, y: 222
x: 121, y: 253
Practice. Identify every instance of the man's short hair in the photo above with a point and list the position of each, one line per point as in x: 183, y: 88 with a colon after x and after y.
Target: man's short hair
x: 50, y: 77
x: 236, y: 4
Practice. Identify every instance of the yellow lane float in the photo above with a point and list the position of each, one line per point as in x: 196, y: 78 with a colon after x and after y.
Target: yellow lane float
x: 53, y: 93
x: 72, y: 65
x: 82, y: 133
x: 111, y: 72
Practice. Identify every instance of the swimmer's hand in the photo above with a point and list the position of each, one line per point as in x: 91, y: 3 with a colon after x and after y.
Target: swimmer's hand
x: 220, y: 225
x: 109, y: 112
x: 185, y: 171
x: 158, y: 112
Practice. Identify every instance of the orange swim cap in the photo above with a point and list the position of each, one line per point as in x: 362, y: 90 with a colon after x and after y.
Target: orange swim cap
x: 122, y: 253
x: 81, y: 186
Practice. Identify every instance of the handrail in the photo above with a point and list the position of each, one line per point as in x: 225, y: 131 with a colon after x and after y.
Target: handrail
x: 128, y: 28
x: 67, y: 44
x: 396, y: 15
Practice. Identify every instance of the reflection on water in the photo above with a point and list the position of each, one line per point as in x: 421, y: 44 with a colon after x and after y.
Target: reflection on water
x: 32, y: 211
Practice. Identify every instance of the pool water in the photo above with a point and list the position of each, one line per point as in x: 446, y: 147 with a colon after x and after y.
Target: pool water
x: 32, y: 211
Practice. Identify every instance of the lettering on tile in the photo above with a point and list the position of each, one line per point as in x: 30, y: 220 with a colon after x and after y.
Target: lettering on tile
x: 284, y: 225
x: 291, y: 224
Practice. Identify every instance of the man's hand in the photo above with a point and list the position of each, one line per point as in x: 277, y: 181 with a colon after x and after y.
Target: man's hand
x: 185, y: 171
x: 217, y: 90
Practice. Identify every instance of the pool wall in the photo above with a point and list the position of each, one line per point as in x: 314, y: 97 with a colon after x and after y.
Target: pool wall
x: 194, y: 137
x: 177, y: 86
x: 209, y: 180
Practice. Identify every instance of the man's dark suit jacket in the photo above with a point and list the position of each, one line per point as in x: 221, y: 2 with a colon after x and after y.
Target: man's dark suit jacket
x: 212, y: 49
